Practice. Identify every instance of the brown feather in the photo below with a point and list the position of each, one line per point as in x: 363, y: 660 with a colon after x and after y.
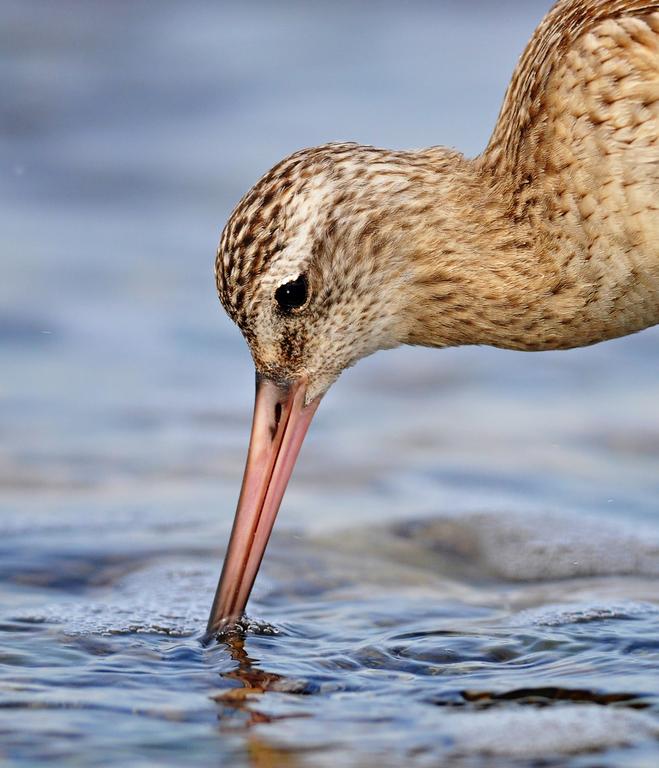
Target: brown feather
x: 548, y: 240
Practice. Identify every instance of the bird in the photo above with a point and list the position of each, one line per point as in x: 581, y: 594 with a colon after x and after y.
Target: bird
x: 547, y: 240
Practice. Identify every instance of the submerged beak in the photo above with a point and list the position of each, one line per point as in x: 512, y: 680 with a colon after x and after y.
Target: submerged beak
x: 281, y: 420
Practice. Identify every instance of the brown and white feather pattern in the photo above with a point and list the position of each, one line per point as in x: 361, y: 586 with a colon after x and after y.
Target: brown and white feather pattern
x: 549, y: 239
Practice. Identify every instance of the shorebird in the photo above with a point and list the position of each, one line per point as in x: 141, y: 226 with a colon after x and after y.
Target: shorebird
x: 547, y: 240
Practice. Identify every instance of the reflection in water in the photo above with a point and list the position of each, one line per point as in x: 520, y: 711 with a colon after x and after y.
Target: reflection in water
x: 252, y: 682
x: 239, y: 708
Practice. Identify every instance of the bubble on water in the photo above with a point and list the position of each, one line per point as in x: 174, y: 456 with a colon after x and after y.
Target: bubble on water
x: 257, y: 627
x: 246, y: 625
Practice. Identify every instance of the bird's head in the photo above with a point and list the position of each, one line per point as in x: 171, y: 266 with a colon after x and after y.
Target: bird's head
x: 307, y: 267
x: 313, y: 267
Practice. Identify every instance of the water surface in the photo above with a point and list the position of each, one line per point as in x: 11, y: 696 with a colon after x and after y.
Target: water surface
x: 465, y: 568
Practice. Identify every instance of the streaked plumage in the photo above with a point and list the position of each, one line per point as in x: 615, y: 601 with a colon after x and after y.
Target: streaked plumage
x: 548, y: 240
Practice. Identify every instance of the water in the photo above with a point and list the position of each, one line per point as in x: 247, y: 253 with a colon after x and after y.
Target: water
x: 465, y: 568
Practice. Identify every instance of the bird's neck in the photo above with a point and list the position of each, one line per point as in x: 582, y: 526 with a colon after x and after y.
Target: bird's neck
x: 484, y: 270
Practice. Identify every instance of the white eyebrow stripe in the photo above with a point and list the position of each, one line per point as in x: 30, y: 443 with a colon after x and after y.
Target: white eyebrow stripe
x: 290, y: 279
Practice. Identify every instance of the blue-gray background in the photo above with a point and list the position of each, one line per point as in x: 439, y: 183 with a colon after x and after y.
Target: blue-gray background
x: 130, y: 129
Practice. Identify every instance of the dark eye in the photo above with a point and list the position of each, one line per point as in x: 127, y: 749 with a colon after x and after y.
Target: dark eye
x: 292, y: 295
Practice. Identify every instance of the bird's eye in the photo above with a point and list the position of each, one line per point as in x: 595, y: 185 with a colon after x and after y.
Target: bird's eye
x: 292, y: 295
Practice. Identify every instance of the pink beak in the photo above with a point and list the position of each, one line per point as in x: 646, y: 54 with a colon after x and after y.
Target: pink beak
x: 280, y: 422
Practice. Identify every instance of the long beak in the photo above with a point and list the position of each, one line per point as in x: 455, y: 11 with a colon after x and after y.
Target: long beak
x: 281, y: 420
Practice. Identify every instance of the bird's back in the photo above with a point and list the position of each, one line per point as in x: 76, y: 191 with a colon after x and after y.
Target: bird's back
x: 578, y: 137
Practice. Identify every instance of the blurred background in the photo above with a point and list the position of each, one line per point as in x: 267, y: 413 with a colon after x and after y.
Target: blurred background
x: 128, y: 131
